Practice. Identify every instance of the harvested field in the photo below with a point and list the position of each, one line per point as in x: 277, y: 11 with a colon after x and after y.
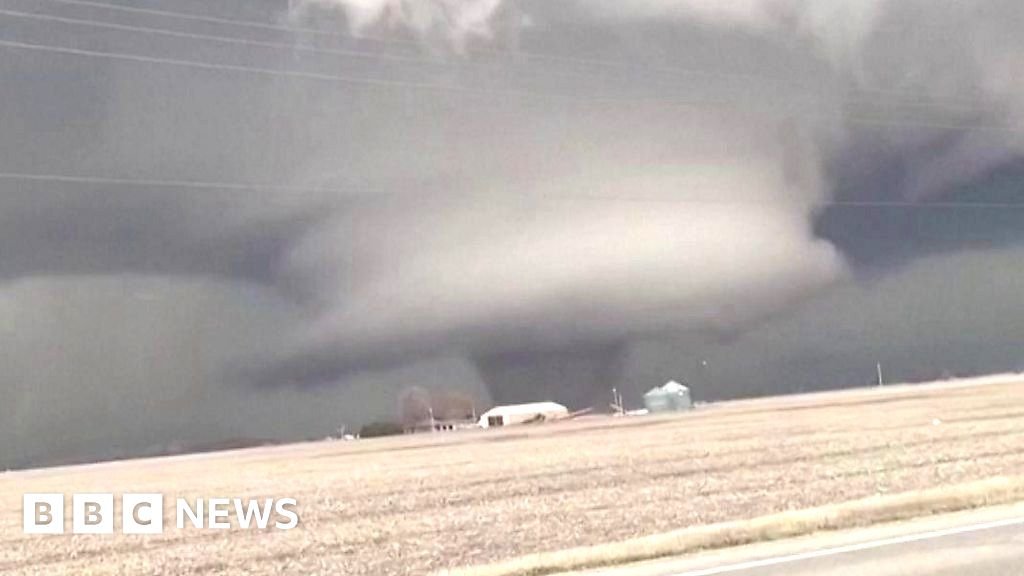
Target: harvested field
x: 410, y: 505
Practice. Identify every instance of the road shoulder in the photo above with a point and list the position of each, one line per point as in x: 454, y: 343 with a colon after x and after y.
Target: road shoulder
x: 802, y: 547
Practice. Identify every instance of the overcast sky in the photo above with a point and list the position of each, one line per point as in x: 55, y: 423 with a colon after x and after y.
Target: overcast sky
x: 270, y: 237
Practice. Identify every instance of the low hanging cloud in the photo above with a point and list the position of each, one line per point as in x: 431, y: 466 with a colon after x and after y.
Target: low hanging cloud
x: 592, y: 250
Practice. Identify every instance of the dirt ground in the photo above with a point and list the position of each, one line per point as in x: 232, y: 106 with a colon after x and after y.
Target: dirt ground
x: 413, y: 504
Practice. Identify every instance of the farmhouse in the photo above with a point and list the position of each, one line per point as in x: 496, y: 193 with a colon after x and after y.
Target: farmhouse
x: 522, y: 413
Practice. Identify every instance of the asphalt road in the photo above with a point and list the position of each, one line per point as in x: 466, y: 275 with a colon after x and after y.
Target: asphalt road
x: 987, y: 542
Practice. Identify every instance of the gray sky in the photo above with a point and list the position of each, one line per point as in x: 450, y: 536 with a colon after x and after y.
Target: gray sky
x: 511, y: 198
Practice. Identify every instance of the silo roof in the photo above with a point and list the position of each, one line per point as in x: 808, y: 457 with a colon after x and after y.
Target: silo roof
x: 674, y: 387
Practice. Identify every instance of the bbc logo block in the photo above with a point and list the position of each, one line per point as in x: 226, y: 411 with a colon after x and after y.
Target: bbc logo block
x: 43, y: 513
x: 93, y: 513
x: 142, y: 513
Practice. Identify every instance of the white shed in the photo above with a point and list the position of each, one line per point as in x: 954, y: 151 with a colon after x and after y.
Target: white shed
x: 519, y: 413
x: 671, y: 397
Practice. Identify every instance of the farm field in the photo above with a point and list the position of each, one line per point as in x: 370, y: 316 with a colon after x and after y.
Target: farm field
x: 415, y: 504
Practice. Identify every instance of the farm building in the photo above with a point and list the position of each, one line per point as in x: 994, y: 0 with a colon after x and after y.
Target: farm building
x: 434, y: 425
x: 672, y: 397
x: 521, y: 413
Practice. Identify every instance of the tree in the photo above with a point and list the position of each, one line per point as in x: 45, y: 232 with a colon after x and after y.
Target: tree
x: 414, y: 407
x: 452, y: 405
x: 374, y: 429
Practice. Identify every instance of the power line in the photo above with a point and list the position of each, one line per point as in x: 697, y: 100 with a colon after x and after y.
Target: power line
x: 391, y: 84
x: 239, y: 186
x: 216, y: 38
x: 195, y: 184
x: 374, y: 82
x: 226, y: 21
x: 388, y: 56
x: 882, y: 123
x: 964, y: 105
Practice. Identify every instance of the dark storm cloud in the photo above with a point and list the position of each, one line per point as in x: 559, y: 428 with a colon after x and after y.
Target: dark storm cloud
x: 539, y: 216
x: 901, y: 235
x: 936, y: 317
x: 62, y: 229
x: 869, y: 94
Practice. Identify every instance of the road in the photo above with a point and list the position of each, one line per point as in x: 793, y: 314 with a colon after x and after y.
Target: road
x: 987, y: 542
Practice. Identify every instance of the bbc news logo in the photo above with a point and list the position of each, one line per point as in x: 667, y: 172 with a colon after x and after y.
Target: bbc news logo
x: 144, y: 513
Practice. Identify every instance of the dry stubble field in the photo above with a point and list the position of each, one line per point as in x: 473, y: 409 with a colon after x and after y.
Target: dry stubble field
x: 410, y: 505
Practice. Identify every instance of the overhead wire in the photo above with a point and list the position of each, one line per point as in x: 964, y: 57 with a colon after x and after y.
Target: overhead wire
x: 225, y: 21
x: 366, y: 54
x: 409, y: 59
x: 432, y: 86
x: 915, y: 99
x: 348, y: 192
x: 376, y: 82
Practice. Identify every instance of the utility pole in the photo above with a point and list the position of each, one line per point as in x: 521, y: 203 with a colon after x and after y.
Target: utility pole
x: 617, y: 403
